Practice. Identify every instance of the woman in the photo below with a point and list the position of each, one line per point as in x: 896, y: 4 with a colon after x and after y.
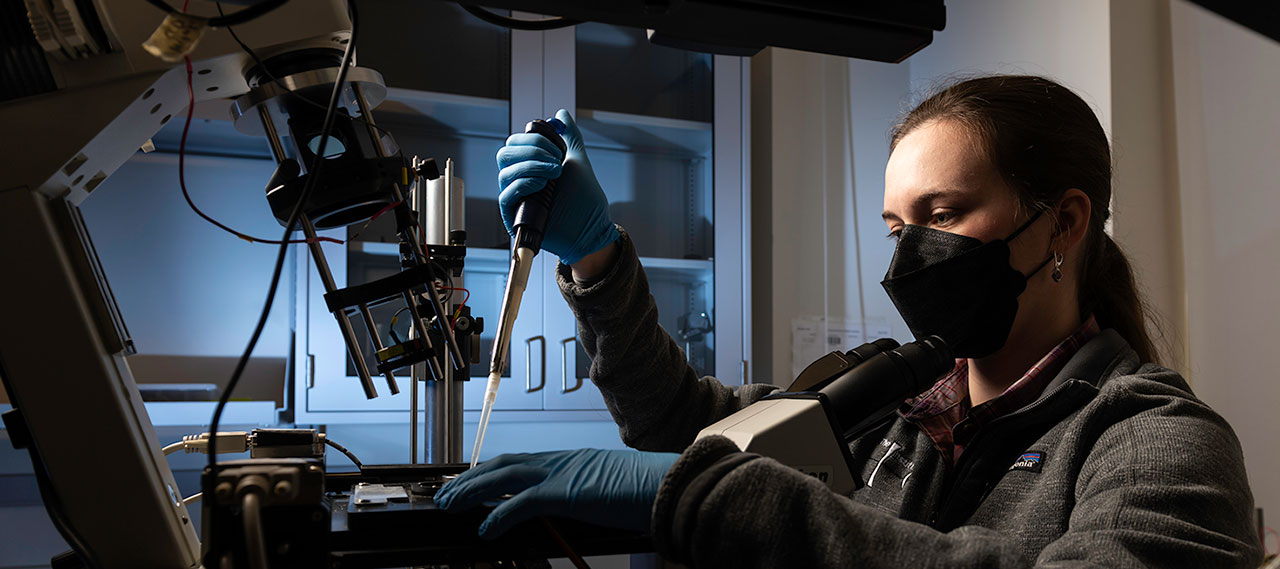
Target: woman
x: 1052, y: 442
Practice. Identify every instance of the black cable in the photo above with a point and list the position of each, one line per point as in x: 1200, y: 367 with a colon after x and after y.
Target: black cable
x: 44, y: 482
x: 391, y: 328
x: 248, y: 14
x: 266, y: 71
x: 447, y: 280
x: 57, y: 514
x: 313, y: 175
x: 254, y: 540
x: 518, y: 24
x: 344, y: 450
x: 398, y: 313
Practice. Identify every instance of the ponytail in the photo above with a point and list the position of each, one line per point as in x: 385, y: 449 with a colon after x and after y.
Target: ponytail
x: 1109, y: 292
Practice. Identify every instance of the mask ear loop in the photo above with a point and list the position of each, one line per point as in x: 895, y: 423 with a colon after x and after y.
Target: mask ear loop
x: 1019, y: 231
x: 1040, y: 266
x: 1024, y: 227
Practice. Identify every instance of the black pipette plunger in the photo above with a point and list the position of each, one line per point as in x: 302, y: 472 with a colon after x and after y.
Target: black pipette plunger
x: 532, y: 213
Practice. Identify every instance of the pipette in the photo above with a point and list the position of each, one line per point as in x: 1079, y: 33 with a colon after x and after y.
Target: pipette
x: 530, y: 225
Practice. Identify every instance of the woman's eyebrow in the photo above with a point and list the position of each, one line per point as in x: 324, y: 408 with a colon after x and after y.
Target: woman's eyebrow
x: 931, y: 195
x: 921, y: 200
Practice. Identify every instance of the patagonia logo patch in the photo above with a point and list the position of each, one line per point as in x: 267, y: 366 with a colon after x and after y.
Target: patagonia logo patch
x: 1030, y: 461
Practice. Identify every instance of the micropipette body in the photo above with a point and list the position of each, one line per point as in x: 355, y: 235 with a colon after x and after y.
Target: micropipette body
x: 530, y: 224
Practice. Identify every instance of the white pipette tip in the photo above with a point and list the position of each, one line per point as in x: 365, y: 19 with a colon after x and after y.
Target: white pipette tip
x: 490, y: 394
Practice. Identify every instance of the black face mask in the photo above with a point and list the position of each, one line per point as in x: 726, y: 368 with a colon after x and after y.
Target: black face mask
x: 956, y: 287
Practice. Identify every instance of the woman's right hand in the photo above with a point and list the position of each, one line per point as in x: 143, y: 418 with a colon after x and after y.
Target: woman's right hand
x: 579, y: 224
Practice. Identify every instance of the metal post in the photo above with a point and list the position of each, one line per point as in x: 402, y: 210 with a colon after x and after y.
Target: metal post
x: 367, y: 117
x: 344, y: 323
x: 414, y: 376
x: 452, y: 220
x: 446, y: 220
x: 421, y: 329
x: 273, y: 137
x: 437, y: 423
x: 444, y: 397
x: 377, y: 345
x: 416, y: 195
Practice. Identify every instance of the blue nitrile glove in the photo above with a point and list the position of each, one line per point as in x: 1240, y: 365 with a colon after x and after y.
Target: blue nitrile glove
x: 579, y: 222
x: 613, y: 488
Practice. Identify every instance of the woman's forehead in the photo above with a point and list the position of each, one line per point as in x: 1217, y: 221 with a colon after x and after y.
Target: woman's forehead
x: 938, y: 158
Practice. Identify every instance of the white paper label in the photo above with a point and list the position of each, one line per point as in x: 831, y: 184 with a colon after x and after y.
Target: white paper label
x: 877, y: 330
x: 814, y: 336
x: 807, y: 343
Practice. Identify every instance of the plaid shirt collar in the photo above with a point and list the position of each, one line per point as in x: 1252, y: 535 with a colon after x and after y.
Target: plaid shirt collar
x: 944, y: 413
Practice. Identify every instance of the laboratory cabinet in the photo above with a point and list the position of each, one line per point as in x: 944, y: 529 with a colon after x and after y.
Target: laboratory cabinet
x: 666, y: 134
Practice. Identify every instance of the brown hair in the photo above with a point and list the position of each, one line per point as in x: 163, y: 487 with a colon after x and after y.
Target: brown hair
x: 1044, y: 139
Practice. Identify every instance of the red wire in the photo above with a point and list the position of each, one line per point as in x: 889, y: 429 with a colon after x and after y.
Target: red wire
x: 182, y: 176
x: 465, y: 298
x: 1270, y: 531
x: 385, y: 210
x: 353, y: 236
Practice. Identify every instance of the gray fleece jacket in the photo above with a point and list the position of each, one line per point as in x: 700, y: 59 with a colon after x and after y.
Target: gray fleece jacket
x: 1117, y: 464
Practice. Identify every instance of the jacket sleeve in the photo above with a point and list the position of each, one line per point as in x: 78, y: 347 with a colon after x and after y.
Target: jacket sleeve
x: 655, y: 397
x: 1164, y: 487
x: 718, y: 507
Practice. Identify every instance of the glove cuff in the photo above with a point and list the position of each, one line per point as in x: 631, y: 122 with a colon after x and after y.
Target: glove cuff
x: 623, y: 267
x: 594, y: 241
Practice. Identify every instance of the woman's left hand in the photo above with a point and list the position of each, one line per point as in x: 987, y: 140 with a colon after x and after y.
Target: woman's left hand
x: 613, y: 488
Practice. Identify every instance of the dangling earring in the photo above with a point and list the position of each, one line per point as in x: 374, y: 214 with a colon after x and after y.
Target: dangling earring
x: 1057, y: 267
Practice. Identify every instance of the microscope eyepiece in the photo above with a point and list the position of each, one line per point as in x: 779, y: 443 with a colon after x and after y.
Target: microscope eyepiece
x: 868, y: 391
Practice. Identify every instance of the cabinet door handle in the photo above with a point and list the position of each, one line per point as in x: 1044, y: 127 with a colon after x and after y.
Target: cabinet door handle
x: 528, y: 363
x: 311, y: 371
x: 564, y: 366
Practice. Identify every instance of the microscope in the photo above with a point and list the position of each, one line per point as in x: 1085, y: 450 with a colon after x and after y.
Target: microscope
x: 836, y: 399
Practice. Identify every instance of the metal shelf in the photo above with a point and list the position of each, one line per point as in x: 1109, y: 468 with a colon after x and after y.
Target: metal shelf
x: 641, y: 133
x: 690, y: 268
x: 198, y: 413
x: 461, y: 115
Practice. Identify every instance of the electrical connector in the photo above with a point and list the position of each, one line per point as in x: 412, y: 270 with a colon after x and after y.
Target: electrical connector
x: 286, y: 443
x: 228, y: 442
